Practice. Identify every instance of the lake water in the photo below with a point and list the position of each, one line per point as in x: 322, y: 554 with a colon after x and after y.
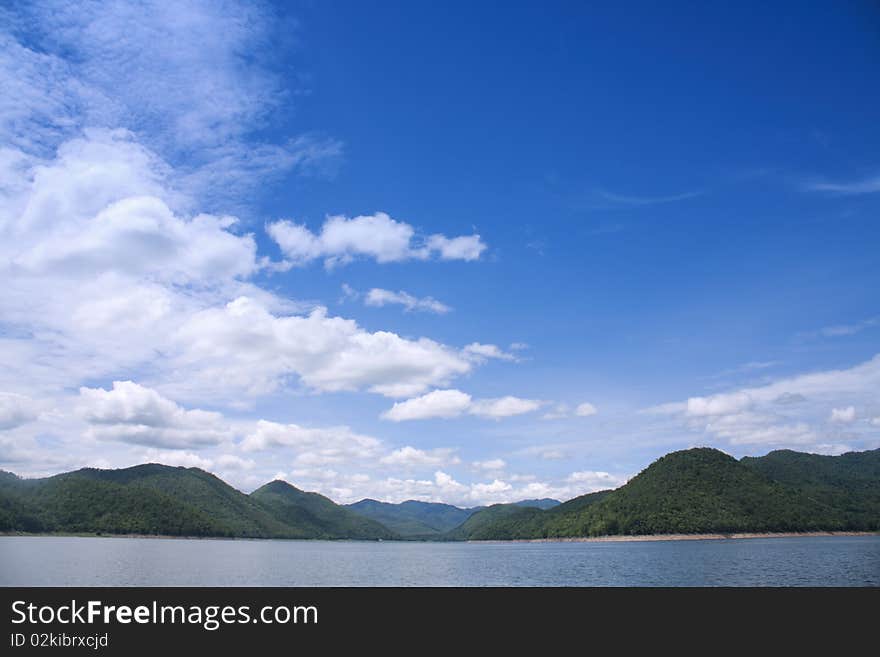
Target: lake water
x: 802, y: 561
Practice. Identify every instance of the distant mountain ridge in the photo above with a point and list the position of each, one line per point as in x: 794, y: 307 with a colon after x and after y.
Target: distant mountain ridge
x: 414, y: 518
x: 699, y: 490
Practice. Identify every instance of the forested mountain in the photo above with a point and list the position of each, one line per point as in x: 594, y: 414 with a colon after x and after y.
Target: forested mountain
x: 315, y: 515
x: 703, y: 490
x: 159, y: 499
x: 698, y: 490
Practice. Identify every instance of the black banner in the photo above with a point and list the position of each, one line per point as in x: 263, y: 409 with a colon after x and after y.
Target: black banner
x: 131, y: 620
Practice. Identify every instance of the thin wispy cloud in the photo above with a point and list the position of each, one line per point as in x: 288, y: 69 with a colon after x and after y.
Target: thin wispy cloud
x: 870, y: 185
x: 635, y: 201
x: 378, y: 297
x: 842, y: 330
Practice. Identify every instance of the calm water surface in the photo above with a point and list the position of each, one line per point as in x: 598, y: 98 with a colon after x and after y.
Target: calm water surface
x: 805, y: 561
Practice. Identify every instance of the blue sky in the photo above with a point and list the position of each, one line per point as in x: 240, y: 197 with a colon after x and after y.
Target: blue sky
x: 450, y: 252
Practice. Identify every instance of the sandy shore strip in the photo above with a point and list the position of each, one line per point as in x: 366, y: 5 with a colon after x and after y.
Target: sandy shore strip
x: 675, y: 537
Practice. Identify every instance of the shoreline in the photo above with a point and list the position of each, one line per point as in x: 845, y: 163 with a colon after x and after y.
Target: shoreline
x: 620, y: 538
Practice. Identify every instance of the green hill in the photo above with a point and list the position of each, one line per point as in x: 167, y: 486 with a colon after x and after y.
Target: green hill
x: 511, y: 521
x: 316, y: 515
x: 706, y: 491
x: 150, y: 499
x: 849, y: 483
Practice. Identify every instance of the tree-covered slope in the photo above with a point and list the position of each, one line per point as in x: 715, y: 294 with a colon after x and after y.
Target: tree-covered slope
x: 706, y: 491
x: 849, y: 483
x: 159, y: 499
x: 498, y: 522
x: 315, y: 514
x: 86, y: 501
x: 512, y: 521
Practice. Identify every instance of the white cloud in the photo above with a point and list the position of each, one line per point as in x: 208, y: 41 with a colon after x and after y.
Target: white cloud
x: 435, y: 404
x: 843, y: 415
x: 176, y: 458
x: 205, y: 82
x: 790, y: 412
x: 16, y: 410
x: 244, y: 346
x: 379, y: 297
x: 585, y: 409
x: 134, y: 414
x: 468, y: 247
x: 595, y: 480
x: 481, y: 352
x: 454, y: 403
x: 312, y: 447
x: 561, y: 411
x: 490, y: 465
x: 718, y: 405
x: 377, y: 236
x: 408, y: 457
x: 503, y: 407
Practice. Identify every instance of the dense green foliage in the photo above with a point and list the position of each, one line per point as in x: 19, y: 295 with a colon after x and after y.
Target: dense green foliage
x: 315, y: 515
x: 145, y: 499
x: 849, y: 483
x: 706, y: 491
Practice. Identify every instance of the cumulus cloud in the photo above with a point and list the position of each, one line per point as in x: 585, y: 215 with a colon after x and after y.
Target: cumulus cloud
x: 594, y: 480
x: 843, y: 415
x: 120, y: 258
x: 482, y: 352
x: 490, y: 465
x: 790, y: 412
x: 245, y: 346
x: 379, y: 297
x: 312, y: 446
x: 134, y: 414
x: 585, y: 409
x: 560, y: 411
x: 176, y: 458
x: 454, y: 403
x: 16, y: 410
x: 718, y: 404
x: 377, y: 236
x: 408, y: 457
